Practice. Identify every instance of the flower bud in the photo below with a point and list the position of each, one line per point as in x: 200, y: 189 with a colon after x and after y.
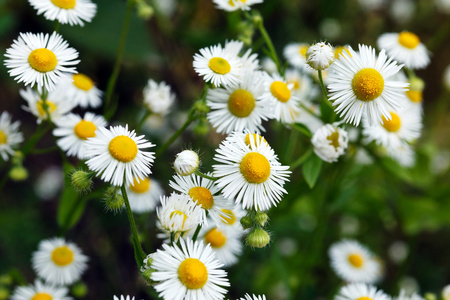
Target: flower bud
x: 416, y: 84
x: 18, y: 173
x: 258, y: 238
x: 79, y: 290
x: 144, y: 10
x: 320, y: 56
x: 114, y: 200
x: 246, y: 222
x: 146, y: 270
x: 201, y: 128
x: 261, y: 218
x: 81, y: 181
x: 186, y: 162
x: 430, y: 296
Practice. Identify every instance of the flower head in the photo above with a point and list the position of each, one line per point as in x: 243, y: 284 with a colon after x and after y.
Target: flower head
x: 81, y: 90
x: 158, y: 97
x: 144, y: 194
x: 73, y: 12
x: 329, y: 142
x: 40, y: 290
x: 10, y: 136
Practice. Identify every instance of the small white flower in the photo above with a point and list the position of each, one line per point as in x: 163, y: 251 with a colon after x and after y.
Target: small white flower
x: 73, y: 12
x: 320, y: 56
x: 40, y: 291
x: 186, y: 162
x: 295, y: 53
x: 144, y: 194
x: 10, y: 136
x: 226, y: 244
x: 232, y: 5
x: 158, y: 97
x: 81, y: 91
x: 329, y: 142
x: 355, y: 291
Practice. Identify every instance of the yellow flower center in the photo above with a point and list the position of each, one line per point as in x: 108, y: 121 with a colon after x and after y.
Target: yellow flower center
x: 334, y: 139
x: 3, y: 138
x: 66, y: 4
x: 296, y: 84
x: 241, y: 103
x: 85, y: 129
x: 41, y: 110
x: 303, y: 49
x: 82, y: 82
x: 364, y: 298
x: 142, y: 186
x: 123, y: 148
x: 255, y: 167
x: 193, y: 273
x: 231, y: 2
x: 219, y: 65
x: 408, y: 40
x: 62, y: 256
x: 215, y: 237
x: 230, y: 214
x: 179, y: 213
x: 42, y: 296
x: 280, y: 91
x: 255, y: 137
x: 42, y: 60
x: 339, y: 50
x: 355, y: 260
x: 203, y: 196
x: 392, y: 125
x: 368, y: 84
x: 415, y: 96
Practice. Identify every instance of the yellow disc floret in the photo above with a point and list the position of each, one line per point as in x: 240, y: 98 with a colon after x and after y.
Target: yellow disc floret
x: 85, y: 129
x: 82, y: 82
x: 140, y: 187
x: 66, y: 4
x: 392, y: 125
x: 42, y: 296
x: 255, y: 137
x: 231, y: 217
x: 193, y: 273
x: 41, y: 110
x: 334, y: 139
x: 219, y: 65
x: 216, y: 238
x: 408, y: 40
x: 368, y: 84
x: 42, y: 60
x: 415, y: 96
x: 123, y: 148
x: 203, y: 196
x: 241, y: 103
x: 356, y: 260
x: 3, y: 137
x: 62, y: 256
x: 255, y: 167
x: 280, y: 91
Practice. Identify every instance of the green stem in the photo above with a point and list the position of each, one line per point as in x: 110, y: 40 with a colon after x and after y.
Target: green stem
x: 269, y: 43
x: 302, y: 105
x: 177, y: 133
x: 302, y: 130
x: 139, y: 253
x: 197, y: 172
x: 57, y: 25
x: 197, y: 231
x: 301, y: 159
x: 119, y: 57
x: 45, y: 150
x: 141, y: 122
x: 38, y: 134
x: 322, y: 85
x: 439, y: 36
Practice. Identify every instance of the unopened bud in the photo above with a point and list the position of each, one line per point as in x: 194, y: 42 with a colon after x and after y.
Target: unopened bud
x: 144, y: 10
x: 17, y: 157
x: 258, y: 238
x: 114, y: 200
x: 246, y: 222
x: 146, y: 270
x: 186, y: 162
x: 257, y: 19
x: 261, y: 218
x: 18, y: 173
x: 201, y: 107
x: 81, y: 181
x: 201, y: 128
x: 320, y: 56
x: 430, y: 296
x: 416, y: 84
x: 79, y: 290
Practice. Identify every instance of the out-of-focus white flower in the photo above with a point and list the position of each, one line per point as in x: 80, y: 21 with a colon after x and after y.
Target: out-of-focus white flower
x: 330, y: 29
x: 158, y: 97
x: 49, y: 183
x: 398, y: 252
x: 402, y: 10
x: 446, y: 292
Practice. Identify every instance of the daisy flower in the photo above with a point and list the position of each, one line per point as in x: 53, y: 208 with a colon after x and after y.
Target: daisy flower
x: 73, y: 132
x: 226, y: 244
x: 279, y: 94
x: 232, y: 5
x: 144, y: 194
x: 116, y: 153
x: 359, y: 82
x: 238, y: 107
x: 250, y: 174
x: 188, y: 272
x: 81, y: 91
x: 355, y: 291
x: 59, y: 262
x: 254, y: 297
x: 204, y: 193
x: 40, y: 291
x: 10, y: 136
x: 233, y: 217
x: 122, y: 297
x: 158, y: 97
x: 42, y: 60
x: 295, y: 54
x: 353, y: 262
x: 56, y: 106
x: 330, y: 142
x: 73, y: 12
x: 218, y: 66
x: 186, y: 162
x: 406, y: 48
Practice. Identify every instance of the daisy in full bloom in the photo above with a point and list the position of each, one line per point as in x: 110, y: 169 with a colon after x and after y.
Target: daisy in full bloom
x: 330, y: 142
x: 81, y: 91
x: 59, y: 262
x: 40, y: 291
x: 250, y: 173
x: 360, y: 82
x: 122, y: 297
x: 117, y: 152
x: 144, y: 194
x: 204, y: 193
x: 226, y: 244
x: 157, y: 97
x: 353, y: 262
x: 238, y: 107
x: 406, y: 48
x: 56, y: 106
x: 355, y: 291
x: 218, y: 66
x: 42, y: 60
x: 232, y: 5
x: 253, y: 297
x: 74, y: 131
x: 73, y: 12
x: 190, y: 272
x: 282, y: 101
x: 295, y: 54
x: 10, y: 136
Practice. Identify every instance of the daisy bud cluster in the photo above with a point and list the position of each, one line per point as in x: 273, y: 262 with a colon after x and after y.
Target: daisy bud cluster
x: 113, y: 199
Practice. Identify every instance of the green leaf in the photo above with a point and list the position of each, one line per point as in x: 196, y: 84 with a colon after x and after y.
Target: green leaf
x: 311, y: 170
x: 326, y: 112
